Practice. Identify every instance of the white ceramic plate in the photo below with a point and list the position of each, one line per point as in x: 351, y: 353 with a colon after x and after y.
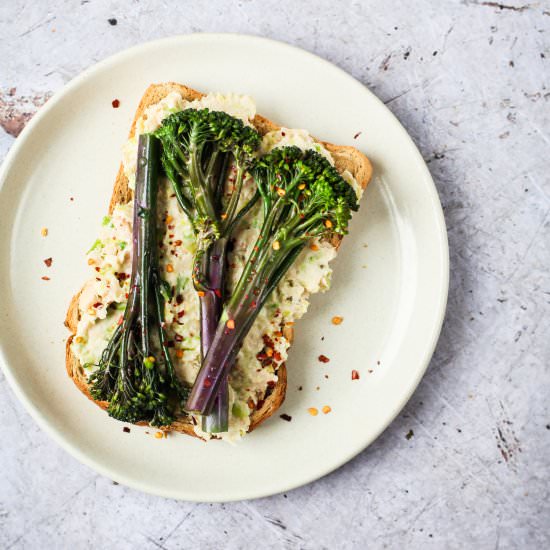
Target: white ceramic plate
x: 391, y: 293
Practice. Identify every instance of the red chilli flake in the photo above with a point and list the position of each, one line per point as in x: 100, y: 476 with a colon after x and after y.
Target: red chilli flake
x: 126, y: 430
x: 115, y: 103
x: 218, y: 292
x: 354, y: 375
x: 181, y: 314
x: 48, y: 262
x: 286, y: 417
x: 357, y: 135
x: 45, y: 278
x: 323, y: 358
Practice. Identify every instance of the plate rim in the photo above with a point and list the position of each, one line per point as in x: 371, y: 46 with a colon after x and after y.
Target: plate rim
x: 74, y: 449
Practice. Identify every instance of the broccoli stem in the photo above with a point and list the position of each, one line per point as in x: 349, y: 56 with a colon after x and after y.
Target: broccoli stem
x: 258, y: 280
x: 211, y: 303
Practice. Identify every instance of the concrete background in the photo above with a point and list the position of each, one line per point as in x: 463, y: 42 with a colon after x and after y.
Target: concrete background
x: 466, y: 463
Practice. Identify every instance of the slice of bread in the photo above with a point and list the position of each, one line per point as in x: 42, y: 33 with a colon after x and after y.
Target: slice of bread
x: 345, y: 158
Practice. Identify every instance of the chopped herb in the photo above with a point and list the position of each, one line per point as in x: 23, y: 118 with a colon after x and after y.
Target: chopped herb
x: 166, y: 291
x: 97, y: 244
x: 239, y: 410
x: 181, y: 283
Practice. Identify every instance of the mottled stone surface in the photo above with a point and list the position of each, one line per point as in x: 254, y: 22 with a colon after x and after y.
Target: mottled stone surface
x: 466, y: 463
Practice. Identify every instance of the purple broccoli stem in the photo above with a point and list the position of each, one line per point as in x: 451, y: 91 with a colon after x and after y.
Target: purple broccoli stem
x: 211, y: 304
x: 257, y: 281
x: 213, y: 375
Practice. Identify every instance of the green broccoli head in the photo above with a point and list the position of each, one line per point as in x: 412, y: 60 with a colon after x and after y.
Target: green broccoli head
x: 198, y: 147
x: 193, y: 131
x: 313, y: 197
x: 231, y: 133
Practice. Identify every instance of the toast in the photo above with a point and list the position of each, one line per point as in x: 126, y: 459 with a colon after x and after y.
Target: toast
x: 345, y: 158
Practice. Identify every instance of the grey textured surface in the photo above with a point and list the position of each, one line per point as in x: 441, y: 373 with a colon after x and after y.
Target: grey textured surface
x: 466, y: 463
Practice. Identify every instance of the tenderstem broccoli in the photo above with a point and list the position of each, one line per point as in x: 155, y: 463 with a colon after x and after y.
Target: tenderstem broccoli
x: 135, y: 373
x: 203, y: 151
x: 302, y: 197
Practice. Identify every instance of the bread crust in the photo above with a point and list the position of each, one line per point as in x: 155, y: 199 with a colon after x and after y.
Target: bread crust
x: 345, y: 158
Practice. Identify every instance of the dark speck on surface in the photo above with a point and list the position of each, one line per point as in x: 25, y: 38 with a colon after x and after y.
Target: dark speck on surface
x: 277, y: 523
x: 409, y: 435
x: 112, y: 21
x: 286, y: 417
